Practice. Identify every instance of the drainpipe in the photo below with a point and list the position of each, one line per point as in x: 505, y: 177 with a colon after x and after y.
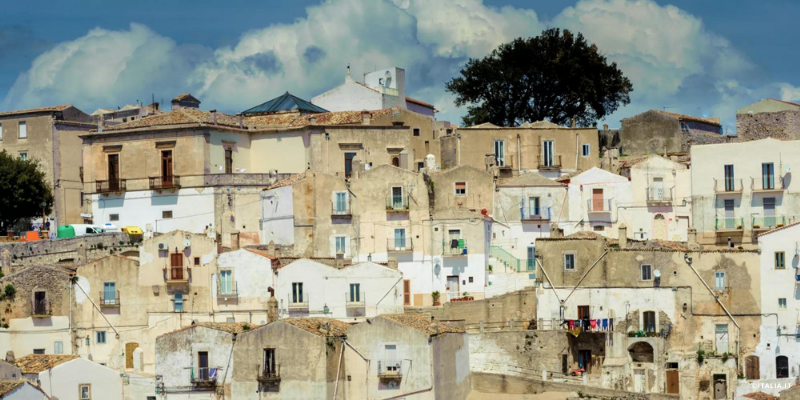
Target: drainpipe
x: 458, y: 137
x: 519, y: 156
x: 338, y: 371
x: 327, y: 153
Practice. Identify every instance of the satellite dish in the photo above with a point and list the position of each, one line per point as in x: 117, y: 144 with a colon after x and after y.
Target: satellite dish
x: 657, y: 273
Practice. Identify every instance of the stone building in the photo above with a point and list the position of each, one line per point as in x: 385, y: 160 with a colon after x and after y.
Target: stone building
x: 596, y: 202
x: 666, y: 319
x: 662, y: 132
x: 50, y: 135
x: 768, y: 118
x: 547, y: 148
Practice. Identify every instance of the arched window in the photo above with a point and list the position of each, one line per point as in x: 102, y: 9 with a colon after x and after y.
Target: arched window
x: 781, y: 367
x: 641, y: 352
x: 396, y: 161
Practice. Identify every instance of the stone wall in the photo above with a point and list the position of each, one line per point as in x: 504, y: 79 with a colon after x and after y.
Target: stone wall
x: 781, y: 124
x: 495, y: 383
x: 520, y: 352
x: 696, y: 137
x: 516, y: 306
x: 53, y: 281
x: 46, y: 252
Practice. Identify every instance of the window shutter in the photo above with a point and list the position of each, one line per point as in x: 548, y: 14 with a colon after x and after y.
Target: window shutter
x: 176, y: 259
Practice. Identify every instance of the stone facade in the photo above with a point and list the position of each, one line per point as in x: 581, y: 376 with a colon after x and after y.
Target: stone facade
x: 778, y: 125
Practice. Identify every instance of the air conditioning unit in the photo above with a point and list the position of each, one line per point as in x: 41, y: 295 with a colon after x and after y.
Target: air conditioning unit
x: 163, y: 247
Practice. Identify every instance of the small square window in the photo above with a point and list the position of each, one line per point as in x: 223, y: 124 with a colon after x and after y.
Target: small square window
x: 23, y: 156
x: 647, y: 272
x: 38, y: 351
x: 85, y: 391
x: 569, y: 261
x: 416, y: 131
x: 58, y: 347
x: 471, y: 280
x: 166, y: 214
x: 461, y: 188
x: 782, y: 303
x: 113, y: 217
x: 101, y: 337
x: 599, y: 228
x: 420, y: 166
x: 780, y: 260
x: 197, y: 261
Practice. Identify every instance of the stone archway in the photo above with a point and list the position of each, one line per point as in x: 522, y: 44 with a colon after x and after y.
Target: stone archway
x: 641, y: 352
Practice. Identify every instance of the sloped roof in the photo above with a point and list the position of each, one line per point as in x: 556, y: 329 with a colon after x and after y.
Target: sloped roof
x: 422, y: 324
x: 784, y: 101
x: 177, y: 117
x: 36, y: 363
x: 541, y: 124
x: 229, y: 327
x: 314, y: 325
x: 483, y: 125
x: 421, y: 103
x: 285, y: 103
x: 528, y: 179
x: 779, y: 229
x: 287, y: 182
x: 7, y: 387
x: 36, y: 110
x: 186, y: 97
x: 684, y: 117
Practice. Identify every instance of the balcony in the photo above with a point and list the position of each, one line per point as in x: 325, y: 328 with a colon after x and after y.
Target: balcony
x: 729, y: 225
x: 298, y: 303
x: 761, y: 224
x: 268, y: 377
x: 399, y: 245
x: 177, y: 275
x: 397, y: 204
x: 357, y: 302
x: 598, y: 206
x: 109, y: 300
x: 728, y: 186
x: 341, y: 210
x: 390, y: 369
x: 659, y: 196
x: 111, y: 186
x: 228, y: 290
x: 541, y: 214
x: 550, y: 164
x: 41, y: 309
x: 455, y: 247
x: 204, y: 376
x: 772, y: 184
x: 165, y: 182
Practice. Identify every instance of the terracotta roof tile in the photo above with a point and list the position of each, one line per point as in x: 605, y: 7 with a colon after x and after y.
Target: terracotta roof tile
x: 36, y: 363
x: 181, y: 116
x: 689, y: 117
x: 316, y: 326
x: 36, y: 110
x: 761, y: 396
x: 7, y: 386
x: 287, y: 182
x: 422, y: 324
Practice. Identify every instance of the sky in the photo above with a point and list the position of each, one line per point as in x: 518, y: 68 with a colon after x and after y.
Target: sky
x: 704, y: 58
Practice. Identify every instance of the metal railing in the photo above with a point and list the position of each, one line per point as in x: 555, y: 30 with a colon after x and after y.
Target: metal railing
x: 390, y: 368
x: 555, y: 163
x: 298, y: 303
x: 659, y: 195
x: 728, y: 186
x: 765, y: 223
x: 455, y: 247
x: 176, y: 274
x: 233, y: 291
x: 109, y: 301
x: 204, y: 375
x: 266, y: 375
x: 114, y: 185
x: 533, y: 214
x: 729, y: 224
x: 505, y: 257
x: 767, y: 184
x: 165, y: 182
x: 41, y: 308
x: 399, y: 244
x: 598, y: 205
x: 340, y: 209
x: 355, y: 302
x: 396, y: 203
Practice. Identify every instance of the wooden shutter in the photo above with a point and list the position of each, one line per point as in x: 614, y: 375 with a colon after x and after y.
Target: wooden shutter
x: 176, y: 260
x: 406, y: 292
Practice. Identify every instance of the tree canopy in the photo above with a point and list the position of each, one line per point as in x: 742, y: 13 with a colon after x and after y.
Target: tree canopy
x: 23, y: 188
x: 555, y: 76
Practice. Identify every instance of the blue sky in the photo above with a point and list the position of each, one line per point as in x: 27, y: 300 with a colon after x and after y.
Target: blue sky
x: 696, y: 57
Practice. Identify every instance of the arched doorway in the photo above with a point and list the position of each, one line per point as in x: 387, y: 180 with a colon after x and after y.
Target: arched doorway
x: 396, y: 161
x: 781, y: 367
x: 659, y: 227
x: 641, y: 352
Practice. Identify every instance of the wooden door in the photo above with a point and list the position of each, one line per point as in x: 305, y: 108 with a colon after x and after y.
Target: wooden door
x: 228, y: 161
x: 129, y: 348
x: 639, y: 381
x: 113, y: 171
x: 166, y: 168
x: 406, y: 292
x: 583, y: 312
x: 597, y: 199
x: 752, y: 367
x: 452, y: 287
x: 673, y: 381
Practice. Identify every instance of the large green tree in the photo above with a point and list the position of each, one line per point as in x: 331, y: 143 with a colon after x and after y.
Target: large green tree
x: 555, y: 76
x: 23, y: 188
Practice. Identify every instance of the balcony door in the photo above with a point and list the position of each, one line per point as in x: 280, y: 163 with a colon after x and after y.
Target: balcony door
x: 109, y: 292
x: 533, y: 206
x: 226, y: 283
x: 228, y: 161
x: 113, y: 171
x: 658, y: 188
x: 202, y: 363
x: 500, y: 152
x: 40, y: 303
x: 730, y: 185
x: 769, y: 212
x: 768, y: 175
x: 166, y: 168
x: 730, y: 218
x: 400, y: 239
x: 597, y: 199
x: 397, y: 198
x: 547, y: 153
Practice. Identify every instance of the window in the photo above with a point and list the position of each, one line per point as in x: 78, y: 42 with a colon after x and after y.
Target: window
x: 461, y: 188
x: 197, y: 261
x: 729, y: 183
x: 348, y: 163
x: 768, y: 176
x: 780, y: 260
x: 781, y: 367
x: 113, y: 217
x: 109, y: 293
x: 534, y: 208
x: 649, y: 321
x: 548, y: 155
x: 228, y: 161
x: 500, y: 152
x: 340, y: 203
x: 569, y: 261
x: 23, y: 130
x: 531, y: 262
x: 390, y: 357
x: 23, y: 156
x: 585, y: 150
x: 85, y: 391
x: 226, y: 281
x: 101, y: 337
x: 782, y: 303
x: 647, y: 270
x: 416, y: 131
x: 420, y: 166
x: 684, y: 127
x: 341, y: 244
x: 471, y: 280
x: 166, y: 214
x: 770, y: 221
x: 178, y: 300
x: 230, y: 319
x: 719, y: 280
x: 297, y: 292
x: 355, y: 292
x: 58, y: 347
x: 599, y: 228
x: 400, y: 239
x: 397, y: 200
x: 38, y: 351
x: 269, y: 363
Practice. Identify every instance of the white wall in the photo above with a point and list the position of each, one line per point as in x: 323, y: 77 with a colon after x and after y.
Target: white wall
x: 325, y: 285
x: 277, y: 216
x: 615, y: 188
x: 192, y: 209
x: 62, y: 381
x: 252, y: 273
x: 25, y: 392
x: 26, y: 334
x: 175, y: 364
x: 350, y: 96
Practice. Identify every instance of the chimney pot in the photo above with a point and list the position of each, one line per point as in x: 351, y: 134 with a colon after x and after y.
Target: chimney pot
x: 623, y: 236
x: 240, y: 120
x: 365, y: 117
x: 214, y: 116
x: 605, y: 127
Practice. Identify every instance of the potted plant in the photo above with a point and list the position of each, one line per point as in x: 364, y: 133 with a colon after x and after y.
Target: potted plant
x: 435, y: 296
x: 490, y: 267
x: 756, y: 226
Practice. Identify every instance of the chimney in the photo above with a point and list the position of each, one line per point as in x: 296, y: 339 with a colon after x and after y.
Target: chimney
x: 365, y: 117
x: 692, y: 239
x: 10, y: 356
x: 605, y: 127
x: 272, y: 306
x: 214, y: 116
x: 392, y: 263
x: 271, y: 249
x: 324, y: 328
x: 102, y: 123
x: 312, y: 120
x: 573, y: 123
x: 623, y: 236
x: 240, y: 120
